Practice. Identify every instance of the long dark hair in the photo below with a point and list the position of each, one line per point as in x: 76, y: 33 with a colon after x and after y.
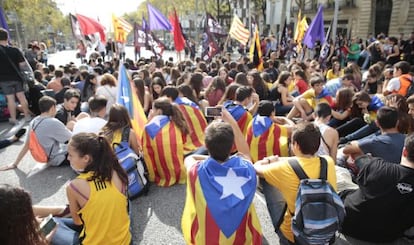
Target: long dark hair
x: 103, y: 158
x: 360, y: 96
x: 171, y: 110
x: 88, y: 86
x: 118, y: 119
x: 140, y: 86
x: 18, y: 225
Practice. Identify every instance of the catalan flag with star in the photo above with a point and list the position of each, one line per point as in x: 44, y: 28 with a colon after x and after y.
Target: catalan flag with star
x: 266, y: 138
x: 219, y: 203
x: 196, y: 122
x: 163, y: 149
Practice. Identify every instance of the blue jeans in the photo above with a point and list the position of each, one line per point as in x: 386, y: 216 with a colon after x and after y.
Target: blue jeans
x: 282, y: 110
x: 67, y: 232
x: 276, y: 204
x: 363, y: 132
x: 365, y: 54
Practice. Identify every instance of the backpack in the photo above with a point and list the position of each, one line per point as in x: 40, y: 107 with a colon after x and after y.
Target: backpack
x: 319, y: 211
x: 410, y: 90
x: 134, y: 166
x: 36, y: 149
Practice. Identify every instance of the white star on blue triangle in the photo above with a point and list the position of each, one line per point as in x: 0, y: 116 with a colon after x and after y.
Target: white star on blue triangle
x: 232, y: 184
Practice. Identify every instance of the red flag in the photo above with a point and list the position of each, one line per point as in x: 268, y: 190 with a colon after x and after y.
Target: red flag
x: 90, y: 26
x: 179, y: 41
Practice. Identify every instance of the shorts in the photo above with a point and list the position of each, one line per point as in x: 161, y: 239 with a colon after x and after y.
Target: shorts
x: 11, y: 87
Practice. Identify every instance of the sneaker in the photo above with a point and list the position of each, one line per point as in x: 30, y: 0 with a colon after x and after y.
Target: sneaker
x: 20, y: 133
x: 28, y: 119
x: 13, y: 121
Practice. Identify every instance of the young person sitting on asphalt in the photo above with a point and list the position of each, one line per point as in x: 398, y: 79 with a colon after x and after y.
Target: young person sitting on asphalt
x: 50, y: 132
x: 220, y: 190
x: 381, y: 210
x: 278, y: 173
x: 65, y: 111
x: 93, y: 122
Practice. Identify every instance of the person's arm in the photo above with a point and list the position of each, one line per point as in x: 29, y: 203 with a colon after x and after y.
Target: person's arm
x: 21, y: 154
x: 147, y: 101
x: 353, y: 149
x: 255, y: 100
x: 74, y: 197
x: 193, y: 159
x: 133, y: 142
x: 332, y: 138
x: 340, y: 115
x: 261, y: 165
x: 240, y: 141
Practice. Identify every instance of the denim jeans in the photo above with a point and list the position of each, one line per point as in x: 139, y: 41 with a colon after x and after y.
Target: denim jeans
x: 67, y: 232
x: 350, y: 126
x: 4, y: 143
x: 276, y: 204
x: 363, y: 132
x: 282, y: 110
x: 365, y: 54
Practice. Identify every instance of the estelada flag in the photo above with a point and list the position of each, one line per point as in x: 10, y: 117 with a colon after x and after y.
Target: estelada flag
x: 266, y: 138
x: 256, y: 50
x: 218, y: 207
x: 163, y: 152
x: 240, y: 114
x: 196, y: 123
x: 128, y: 97
x: 179, y: 42
x: 121, y: 28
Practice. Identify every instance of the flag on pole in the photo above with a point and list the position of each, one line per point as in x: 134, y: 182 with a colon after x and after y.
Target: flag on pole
x: 301, y: 28
x: 179, y: 42
x: 157, y: 21
x: 128, y: 97
x: 256, y: 50
x: 209, y: 43
x: 296, y: 34
x: 284, y: 37
x: 239, y: 31
x: 90, y: 26
x: 214, y: 27
x: 139, y: 36
x: 316, y: 31
x: 121, y: 28
x: 3, y: 22
x: 151, y: 41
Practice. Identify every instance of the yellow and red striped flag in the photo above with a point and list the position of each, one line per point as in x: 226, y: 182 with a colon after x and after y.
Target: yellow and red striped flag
x: 128, y: 97
x: 121, y: 28
x: 239, y: 31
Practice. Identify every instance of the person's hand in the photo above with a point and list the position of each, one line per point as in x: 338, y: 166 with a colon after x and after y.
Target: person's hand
x: 8, y: 167
x: 226, y: 116
x: 255, y: 98
x: 393, y: 102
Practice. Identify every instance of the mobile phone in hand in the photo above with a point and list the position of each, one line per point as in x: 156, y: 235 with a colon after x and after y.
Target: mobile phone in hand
x: 47, y: 225
x: 212, y: 111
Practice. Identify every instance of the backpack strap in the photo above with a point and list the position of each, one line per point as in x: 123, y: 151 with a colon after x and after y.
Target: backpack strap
x: 34, y: 127
x: 125, y: 134
x: 324, y: 169
x: 293, y: 162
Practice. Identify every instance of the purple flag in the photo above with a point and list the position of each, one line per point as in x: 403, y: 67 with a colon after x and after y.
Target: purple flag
x: 3, y: 22
x: 316, y: 31
x: 157, y: 21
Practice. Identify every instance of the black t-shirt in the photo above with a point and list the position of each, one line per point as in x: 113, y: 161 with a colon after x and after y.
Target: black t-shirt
x: 383, y: 206
x: 7, y: 72
x: 62, y: 114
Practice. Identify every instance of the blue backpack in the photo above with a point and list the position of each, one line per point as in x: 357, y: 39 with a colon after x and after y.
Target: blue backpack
x: 319, y: 211
x: 133, y: 165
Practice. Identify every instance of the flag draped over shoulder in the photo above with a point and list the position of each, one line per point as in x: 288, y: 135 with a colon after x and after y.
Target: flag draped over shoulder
x: 163, y: 152
x: 316, y: 31
x: 121, y: 28
x: 266, y: 138
x: 128, y: 97
x: 3, y: 22
x: 196, y: 122
x: 256, y: 50
x: 218, y: 207
x: 90, y: 26
x: 179, y: 41
x: 157, y: 21
x: 239, y: 31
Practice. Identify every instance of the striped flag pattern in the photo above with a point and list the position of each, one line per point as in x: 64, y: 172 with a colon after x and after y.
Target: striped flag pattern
x: 121, y: 28
x: 128, y: 97
x: 196, y: 122
x: 239, y: 31
x: 256, y: 50
x: 163, y: 152
x: 273, y: 140
x: 200, y: 227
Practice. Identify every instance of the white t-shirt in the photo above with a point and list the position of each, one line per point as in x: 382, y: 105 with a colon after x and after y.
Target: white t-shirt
x: 393, y: 84
x: 109, y: 93
x: 88, y: 125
